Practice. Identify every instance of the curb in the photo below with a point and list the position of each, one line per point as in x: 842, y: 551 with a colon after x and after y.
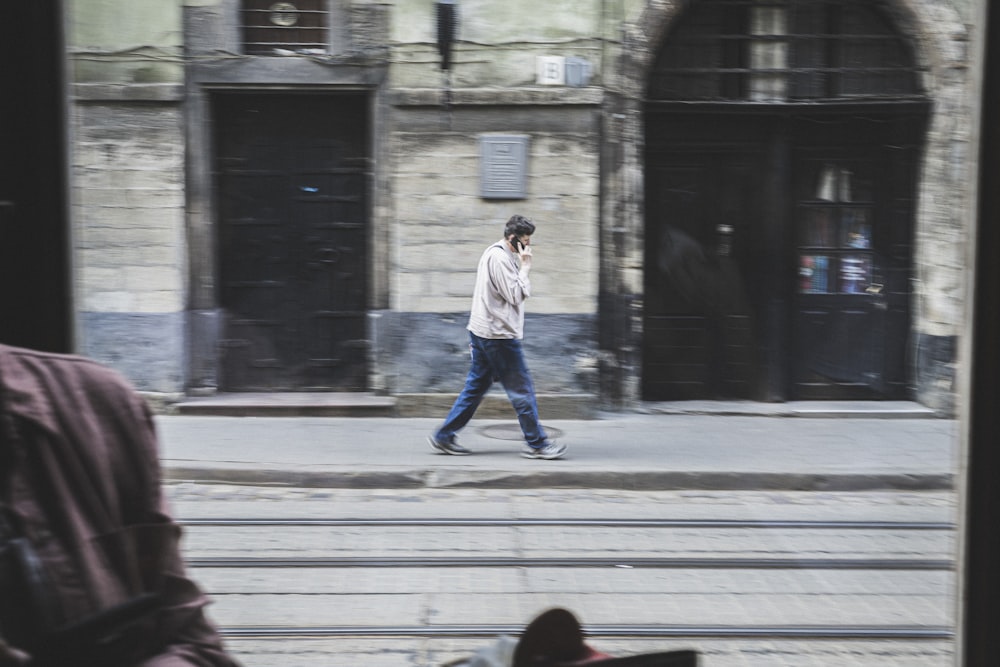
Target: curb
x: 796, y: 409
x: 618, y: 480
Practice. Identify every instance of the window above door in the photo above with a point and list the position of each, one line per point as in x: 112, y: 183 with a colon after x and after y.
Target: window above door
x: 770, y: 51
x: 284, y: 28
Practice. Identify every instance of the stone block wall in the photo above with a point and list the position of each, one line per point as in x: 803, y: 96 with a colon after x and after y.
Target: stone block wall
x: 128, y: 203
x: 441, y: 225
x: 498, y: 40
x: 127, y: 187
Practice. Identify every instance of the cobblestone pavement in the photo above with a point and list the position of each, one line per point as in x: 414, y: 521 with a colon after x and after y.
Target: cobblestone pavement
x: 442, y: 597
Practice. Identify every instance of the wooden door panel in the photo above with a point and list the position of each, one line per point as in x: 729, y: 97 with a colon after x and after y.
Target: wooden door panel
x: 845, y: 344
x: 703, y: 260
x: 838, y: 352
x: 292, y: 192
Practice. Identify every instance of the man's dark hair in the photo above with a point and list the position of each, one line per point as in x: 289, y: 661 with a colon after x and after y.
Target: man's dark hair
x: 519, y: 225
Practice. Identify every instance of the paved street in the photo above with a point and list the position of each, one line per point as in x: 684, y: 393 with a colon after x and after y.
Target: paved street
x: 375, y: 489
x: 364, y: 597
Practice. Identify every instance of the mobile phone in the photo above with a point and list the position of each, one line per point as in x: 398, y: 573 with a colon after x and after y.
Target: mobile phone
x: 516, y: 242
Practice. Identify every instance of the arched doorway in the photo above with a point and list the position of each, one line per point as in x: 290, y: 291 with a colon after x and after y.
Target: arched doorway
x: 782, y: 143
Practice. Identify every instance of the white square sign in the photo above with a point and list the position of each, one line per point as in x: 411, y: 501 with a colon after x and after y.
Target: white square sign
x: 551, y: 70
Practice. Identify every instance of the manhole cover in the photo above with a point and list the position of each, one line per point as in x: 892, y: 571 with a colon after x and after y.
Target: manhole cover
x: 513, y: 431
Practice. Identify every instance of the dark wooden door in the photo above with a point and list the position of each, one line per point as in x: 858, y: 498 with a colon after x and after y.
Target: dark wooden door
x: 853, y: 193
x: 840, y: 296
x: 707, y: 260
x: 292, y: 186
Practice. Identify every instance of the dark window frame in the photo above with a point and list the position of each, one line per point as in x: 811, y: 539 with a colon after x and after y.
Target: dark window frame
x: 833, y: 51
x: 307, y: 34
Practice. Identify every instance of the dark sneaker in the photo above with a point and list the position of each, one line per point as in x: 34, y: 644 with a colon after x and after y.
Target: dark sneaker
x: 550, y: 450
x: 446, y: 447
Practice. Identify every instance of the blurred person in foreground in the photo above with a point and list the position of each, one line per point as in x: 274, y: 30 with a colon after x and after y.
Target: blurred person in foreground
x: 496, y: 327
x: 90, y: 568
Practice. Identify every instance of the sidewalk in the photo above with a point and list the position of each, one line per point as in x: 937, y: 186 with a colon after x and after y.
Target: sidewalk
x: 694, y: 445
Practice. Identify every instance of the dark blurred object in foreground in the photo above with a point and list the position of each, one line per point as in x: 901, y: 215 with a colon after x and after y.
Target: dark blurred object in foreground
x: 555, y: 639
x: 90, y: 567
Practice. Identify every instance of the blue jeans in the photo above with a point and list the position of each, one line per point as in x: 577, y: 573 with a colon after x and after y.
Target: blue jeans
x: 496, y: 359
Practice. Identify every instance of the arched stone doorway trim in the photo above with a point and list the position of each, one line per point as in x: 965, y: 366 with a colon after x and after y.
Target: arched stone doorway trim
x: 940, y: 40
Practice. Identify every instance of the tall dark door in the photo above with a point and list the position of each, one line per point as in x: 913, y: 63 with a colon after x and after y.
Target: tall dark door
x: 708, y: 259
x: 292, y: 185
x: 852, y: 194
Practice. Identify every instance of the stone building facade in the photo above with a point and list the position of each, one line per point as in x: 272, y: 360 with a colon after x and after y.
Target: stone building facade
x: 293, y: 196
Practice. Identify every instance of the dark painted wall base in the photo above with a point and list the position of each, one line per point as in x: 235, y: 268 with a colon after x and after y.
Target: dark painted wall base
x: 427, y: 353
x: 147, y: 348
x: 936, y: 362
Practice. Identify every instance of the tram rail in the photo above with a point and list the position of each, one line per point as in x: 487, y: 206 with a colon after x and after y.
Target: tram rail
x: 756, y: 563
x: 604, y: 523
x: 845, y: 633
x: 564, y: 562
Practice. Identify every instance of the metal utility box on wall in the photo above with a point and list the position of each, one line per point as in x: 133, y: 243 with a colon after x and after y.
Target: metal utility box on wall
x: 503, y: 166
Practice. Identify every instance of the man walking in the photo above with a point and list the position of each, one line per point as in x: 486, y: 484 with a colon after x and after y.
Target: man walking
x: 496, y: 328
